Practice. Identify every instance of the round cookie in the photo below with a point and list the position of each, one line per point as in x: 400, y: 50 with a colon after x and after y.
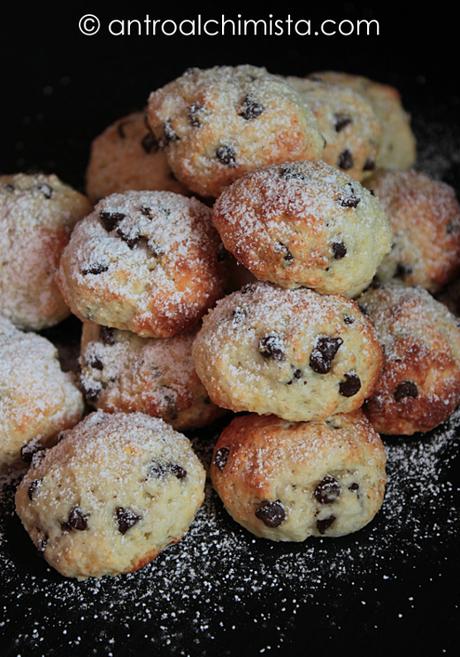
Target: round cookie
x: 288, y: 481
x: 304, y: 224
x: 145, y: 262
x: 127, y: 156
x: 37, y: 215
x: 37, y: 399
x: 420, y: 383
x: 218, y: 124
x: 111, y: 495
x: 425, y: 217
x: 397, y: 145
x: 122, y: 372
x: 293, y: 353
x: 347, y: 122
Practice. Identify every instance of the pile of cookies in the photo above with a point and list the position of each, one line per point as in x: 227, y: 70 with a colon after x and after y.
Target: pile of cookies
x: 253, y: 244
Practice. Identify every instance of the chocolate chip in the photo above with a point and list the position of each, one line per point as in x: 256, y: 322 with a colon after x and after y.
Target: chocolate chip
x: 226, y: 155
x: 341, y: 121
x: 297, y: 374
x: 371, y: 191
x: 132, y: 238
x: 323, y: 353
x: 250, y: 108
x: 350, y: 385
x: 221, y: 457
x: 349, y: 199
x: 405, y: 389
x: 77, y: 520
x: 348, y: 320
x: 369, y: 165
x: 194, y: 112
x: 238, y: 316
x: 91, y: 392
x: 282, y: 248
x: 146, y: 211
x: 324, y: 524
x: 29, y: 449
x: 126, y: 518
x: 96, y: 268
x: 96, y: 362
x: 272, y: 346
x: 339, y: 250
x: 169, y: 133
x: 121, y: 129
x: 150, y: 143
x: 248, y: 287
x: 354, y: 486
x: 403, y: 270
x: 46, y: 190
x: 33, y: 488
x: 159, y: 470
x: 291, y: 172
x: 345, y: 160
x: 178, y: 471
x: 327, y: 491
x: 272, y: 514
x: 110, y: 220
x: 107, y: 335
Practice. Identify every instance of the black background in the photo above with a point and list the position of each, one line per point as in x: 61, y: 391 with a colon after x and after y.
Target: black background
x: 59, y: 89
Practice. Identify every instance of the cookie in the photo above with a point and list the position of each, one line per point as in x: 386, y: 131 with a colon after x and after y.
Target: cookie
x: 293, y: 353
x: 126, y: 156
x: 420, y: 383
x: 287, y: 481
x: 347, y: 122
x: 37, y: 215
x: 397, y: 145
x: 304, y: 224
x: 37, y: 399
x: 425, y: 217
x: 145, y: 262
x: 122, y: 372
x: 113, y: 493
x: 220, y: 123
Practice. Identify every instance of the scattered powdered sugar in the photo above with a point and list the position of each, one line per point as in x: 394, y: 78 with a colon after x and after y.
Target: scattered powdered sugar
x: 220, y: 577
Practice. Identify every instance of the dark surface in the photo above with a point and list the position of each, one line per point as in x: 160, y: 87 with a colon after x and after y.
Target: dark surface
x: 59, y: 90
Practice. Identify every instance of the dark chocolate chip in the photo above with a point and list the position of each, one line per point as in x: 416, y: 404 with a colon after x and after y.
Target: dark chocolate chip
x: 282, y: 248
x: 349, y: 199
x: 327, y: 491
x: 348, y: 320
x: 91, y: 392
x: 272, y: 346
x: 126, y: 518
x: 248, y: 287
x: 110, y: 220
x: 238, y: 316
x: 403, y: 270
x: 323, y: 353
x: 291, y: 172
x: 221, y: 457
x: 405, y: 389
x: 107, y: 335
x: 354, y: 486
x: 77, y: 520
x: 46, y: 190
x: 29, y: 449
x: 150, y: 143
x: 226, y: 155
x: 131, y: 238
x: 369, y: 165
x: 169, y: 133
x: 341, y: 121
x: 96, y: 362
x: 194, y: 112
x: 350, y: 385
x: 339, y: 250
x: 178, y: 471
x: 345, y: 160
x: 250, y: 108
x: 323, y: 525
x: 156, y: 470
x: 146, y: 211
x: 96, y: 268
x: 272, y: 514
x: 371, y: 191
x: 33, y: 488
